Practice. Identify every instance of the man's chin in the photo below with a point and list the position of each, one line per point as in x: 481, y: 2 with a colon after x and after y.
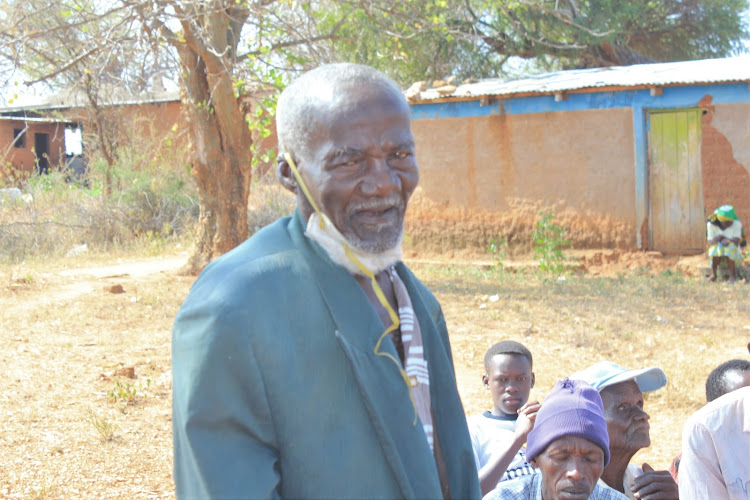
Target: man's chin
x: 377, y: 243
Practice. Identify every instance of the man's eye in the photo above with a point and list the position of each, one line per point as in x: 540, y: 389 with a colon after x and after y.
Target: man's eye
x: 401, y: 155
x: 347, y: 163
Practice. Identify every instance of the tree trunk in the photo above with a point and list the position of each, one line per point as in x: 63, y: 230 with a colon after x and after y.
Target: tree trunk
x: 221, y: 164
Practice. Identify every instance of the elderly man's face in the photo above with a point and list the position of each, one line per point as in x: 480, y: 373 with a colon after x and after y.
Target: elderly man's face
x: 627, y: 423
x: 361, y: 168
x: 570, y: 467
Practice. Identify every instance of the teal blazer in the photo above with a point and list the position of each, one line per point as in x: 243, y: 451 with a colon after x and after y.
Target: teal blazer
x: 277, y: 392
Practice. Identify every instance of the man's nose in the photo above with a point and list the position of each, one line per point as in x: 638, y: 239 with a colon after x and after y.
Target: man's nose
x: 379, y: 178
x: 511, y: 386
x: 641, y: 414
x: 574, y: 471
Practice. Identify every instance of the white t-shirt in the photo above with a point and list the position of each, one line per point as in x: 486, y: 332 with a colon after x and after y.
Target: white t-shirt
x: 488, y: 435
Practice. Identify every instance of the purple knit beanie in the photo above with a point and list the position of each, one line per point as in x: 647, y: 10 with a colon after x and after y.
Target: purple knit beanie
x: 573, y: 408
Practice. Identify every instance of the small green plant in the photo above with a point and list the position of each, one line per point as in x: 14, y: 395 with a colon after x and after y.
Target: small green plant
x: 126, y: 393
x: 104, y: 427
x: 122, y: 393
x: 549, y: 240
x: 498, y: 247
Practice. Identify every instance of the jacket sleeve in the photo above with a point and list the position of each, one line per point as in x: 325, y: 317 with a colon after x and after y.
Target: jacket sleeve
x: 224, y: 440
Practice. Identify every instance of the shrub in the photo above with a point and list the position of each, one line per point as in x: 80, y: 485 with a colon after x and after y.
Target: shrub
x: 549, y: 240
x: 148, y: 203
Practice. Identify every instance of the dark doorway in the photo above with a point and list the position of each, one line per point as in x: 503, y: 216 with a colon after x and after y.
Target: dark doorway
x: 41, y: 149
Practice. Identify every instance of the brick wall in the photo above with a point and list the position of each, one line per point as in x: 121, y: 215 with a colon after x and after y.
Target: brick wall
x: 725, y: 180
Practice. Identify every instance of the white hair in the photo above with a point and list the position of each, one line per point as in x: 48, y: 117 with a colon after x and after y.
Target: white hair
x: 297, y: 111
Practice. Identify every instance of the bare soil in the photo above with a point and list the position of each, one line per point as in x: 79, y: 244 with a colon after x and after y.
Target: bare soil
x: 85, y: 396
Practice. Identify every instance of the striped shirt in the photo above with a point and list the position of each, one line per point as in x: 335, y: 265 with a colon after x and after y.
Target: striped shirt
x: 530, y: 488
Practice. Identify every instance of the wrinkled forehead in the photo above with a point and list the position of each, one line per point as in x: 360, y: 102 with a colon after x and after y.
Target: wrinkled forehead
x: 622, y: 390
x: 345, y: 107
x: 343, y: 99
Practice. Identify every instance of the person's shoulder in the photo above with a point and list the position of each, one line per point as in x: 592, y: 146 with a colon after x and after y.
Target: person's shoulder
x: 267, y: 268
x: 269, y: 250
x: 271, y: 240
x: 604, y: 492
x: 735, y: 405
x: 514, y: 489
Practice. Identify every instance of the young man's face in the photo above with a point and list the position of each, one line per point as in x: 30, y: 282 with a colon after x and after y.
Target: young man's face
x: 509, y: 380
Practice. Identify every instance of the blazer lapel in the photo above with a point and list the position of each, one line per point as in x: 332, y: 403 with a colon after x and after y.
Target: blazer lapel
x: 378, y: 379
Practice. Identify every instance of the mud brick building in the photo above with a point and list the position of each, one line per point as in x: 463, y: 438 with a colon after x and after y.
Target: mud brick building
x: 627, y: 157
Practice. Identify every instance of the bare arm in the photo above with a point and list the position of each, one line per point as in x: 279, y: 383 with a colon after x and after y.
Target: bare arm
x: 490, y: 474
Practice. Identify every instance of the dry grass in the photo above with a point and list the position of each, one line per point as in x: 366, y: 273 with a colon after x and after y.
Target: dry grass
x: 685, y: 326
x: 66, y: 342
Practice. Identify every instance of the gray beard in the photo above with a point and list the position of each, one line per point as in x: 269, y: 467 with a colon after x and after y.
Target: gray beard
x: 333, y: 242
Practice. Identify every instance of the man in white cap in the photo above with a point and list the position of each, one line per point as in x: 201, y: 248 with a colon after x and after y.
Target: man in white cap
x: 627, y: 424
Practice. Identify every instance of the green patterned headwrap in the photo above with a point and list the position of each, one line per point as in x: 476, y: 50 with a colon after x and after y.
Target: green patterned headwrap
x: 725, y: 213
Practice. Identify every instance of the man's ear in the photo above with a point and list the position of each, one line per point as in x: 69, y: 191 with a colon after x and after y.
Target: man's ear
x: 285, y: 175
x: 486, y: 381
x: 533, y: 380
x: 534, y: 463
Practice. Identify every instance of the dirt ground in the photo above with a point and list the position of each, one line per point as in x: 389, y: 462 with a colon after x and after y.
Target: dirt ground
x: 85, y: 392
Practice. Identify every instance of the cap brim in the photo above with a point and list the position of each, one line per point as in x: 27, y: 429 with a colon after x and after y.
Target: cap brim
x: 648, y: 379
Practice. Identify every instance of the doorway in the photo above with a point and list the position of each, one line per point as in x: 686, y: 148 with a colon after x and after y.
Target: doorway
x: 676, y: 217
x: 41, y: 150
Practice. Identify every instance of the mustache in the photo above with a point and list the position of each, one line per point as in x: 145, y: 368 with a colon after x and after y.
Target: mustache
x: 390, y: 201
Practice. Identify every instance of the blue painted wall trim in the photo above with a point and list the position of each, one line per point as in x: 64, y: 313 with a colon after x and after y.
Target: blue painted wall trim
x: 640, y: 101
x: 672, y: 97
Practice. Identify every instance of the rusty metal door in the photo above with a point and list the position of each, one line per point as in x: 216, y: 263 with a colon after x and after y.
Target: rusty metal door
x: 676, y: 218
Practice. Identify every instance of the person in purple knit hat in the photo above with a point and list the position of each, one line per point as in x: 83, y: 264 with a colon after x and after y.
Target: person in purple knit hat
x: 570, y: 446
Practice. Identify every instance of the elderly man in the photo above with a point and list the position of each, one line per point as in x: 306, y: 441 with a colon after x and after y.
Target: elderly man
x: 309, y: 362
x: 568, y: 445
x: 716, y: 450
x: 627, y: 423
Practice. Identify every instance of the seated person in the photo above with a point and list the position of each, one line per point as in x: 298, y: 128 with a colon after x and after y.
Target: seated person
x: 715, y: 461
x: 725, y: 378
x: 569, y: 445
x: 498, y: 436
x: 627, y: 423
x: 724, y: 235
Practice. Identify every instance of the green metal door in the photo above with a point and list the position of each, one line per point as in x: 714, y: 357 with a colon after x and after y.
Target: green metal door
x: 676, y: 218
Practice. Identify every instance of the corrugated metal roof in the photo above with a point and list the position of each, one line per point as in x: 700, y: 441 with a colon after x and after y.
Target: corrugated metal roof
x: 733, y: 69
x: 34, y: 119
x: 75, y: 98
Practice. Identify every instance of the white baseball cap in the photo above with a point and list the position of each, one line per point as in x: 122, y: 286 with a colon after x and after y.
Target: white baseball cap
x: 606, y: 373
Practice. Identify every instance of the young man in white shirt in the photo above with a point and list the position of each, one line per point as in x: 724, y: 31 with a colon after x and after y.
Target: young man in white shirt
x: 498, y: 435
